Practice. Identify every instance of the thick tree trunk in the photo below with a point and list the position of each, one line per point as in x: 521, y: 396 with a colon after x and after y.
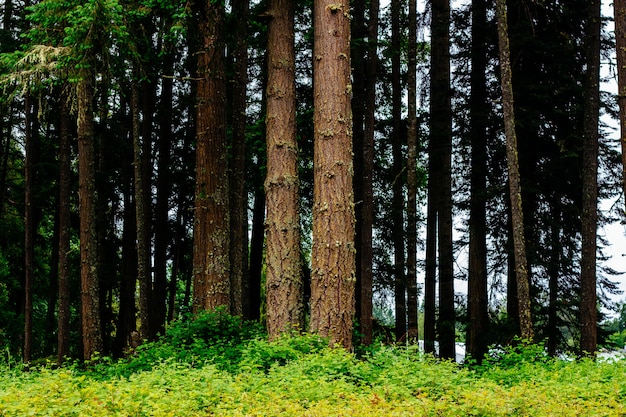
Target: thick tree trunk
x: 90, y: 288
x: 441, y: 134
x: 333, y: 251
x: 238, y: 196
x: 211, y: 258
x: 517, y: 218
x: 589, y: 218
x: 397, y: 203
x: 63, y: 333
x: 284, y: 292
x: 477, y: 272
x: 619, y: 8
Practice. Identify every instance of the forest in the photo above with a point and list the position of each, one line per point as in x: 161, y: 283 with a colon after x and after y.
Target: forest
x: 367, y: 172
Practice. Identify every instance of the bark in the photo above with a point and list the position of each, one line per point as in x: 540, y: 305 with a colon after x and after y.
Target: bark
x: 397, y: 203
x: 63, y: 343
x: 257, y: 238
x: 619, y: 8
x: 90, y: 288
x: 211, y: 257
x: 284, y: 288
x: 589, y: 218
x: 29, y: 226
x: 477, y: 341
x: 333, y: 251
x: 411, y: 166
x: 238, y: 195
x: 554, y: 267
x: 441, y: 133
x: 430, y: 266
x: 517, y: 217
x: 367, y: 205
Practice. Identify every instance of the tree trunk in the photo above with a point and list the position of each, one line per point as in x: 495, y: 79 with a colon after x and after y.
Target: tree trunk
x: 29, y: 225
x: 333, y: 251
x: 517, y: 218
x: 90, y: 288
x: 397, y: 204
x: 619, y: 8
x: 441, y: 134
x: 257, y: 238
x: 238, y: 195
x: 477, y: 340
x: 63, y: 346
x: 411, y: 166
x: 589, y: 218
x: 430, y: 262
x: 211, y: 257
x: 284, y: 292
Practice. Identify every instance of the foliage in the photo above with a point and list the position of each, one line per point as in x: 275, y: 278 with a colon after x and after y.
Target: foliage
x: 321, y: 381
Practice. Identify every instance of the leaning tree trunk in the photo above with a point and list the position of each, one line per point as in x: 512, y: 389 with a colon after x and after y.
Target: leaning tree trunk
x: 284, y: 289
x: 517, y: 218
x: 211, y: 257
x: 333, y: 251
x: 589, y: 218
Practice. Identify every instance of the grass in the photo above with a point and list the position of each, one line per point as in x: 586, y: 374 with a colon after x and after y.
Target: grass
x: 300, y: 376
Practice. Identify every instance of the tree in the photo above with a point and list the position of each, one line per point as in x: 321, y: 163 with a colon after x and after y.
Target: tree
x: 333, y: 251
x: 589, y: 217
x: 211, y: 258
x: 517, y: 219
x: 619, y: 8
x: 284, y: 286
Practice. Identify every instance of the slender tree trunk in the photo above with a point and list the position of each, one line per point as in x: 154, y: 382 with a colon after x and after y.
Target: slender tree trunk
x: 90, y: 289
x: 397, y: 204
x: 63, y: 346
x: 238, y: 195
x: 430, y: 267
x: 411, y: 166
x: 477, y: 272
x: 589, y: 218
x: 284, y: 292
x: 619, y: 8
x: 367, y: 205
x: 211, y: 259
x: 441, y: 133
x: 29, y: 226
x: 333, y: 251
x: 554, y: 267
x: 517, y: 218
x: 257, y: 238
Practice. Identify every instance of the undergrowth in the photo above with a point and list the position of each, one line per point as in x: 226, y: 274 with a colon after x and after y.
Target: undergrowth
x: 221, y: 366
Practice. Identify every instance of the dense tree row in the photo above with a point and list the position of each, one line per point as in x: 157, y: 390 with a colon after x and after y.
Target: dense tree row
x: 274, y: 158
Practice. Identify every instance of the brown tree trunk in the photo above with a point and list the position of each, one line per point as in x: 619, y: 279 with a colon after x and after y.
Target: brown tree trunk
x: 589, y: 218
x: 90, y: 289
x: 63, y: 346
x: 333, y: 251
x: 517, y: 218
x: 619, y: 9
x: 284, y: 292
x: 441, y: 134
x: 211, y: 257
x: 477, y: 272
x: 411, y: 166
x: 257, y: 238
x: 29, y: 226
x: 430, y: 262
x: 397, y: 203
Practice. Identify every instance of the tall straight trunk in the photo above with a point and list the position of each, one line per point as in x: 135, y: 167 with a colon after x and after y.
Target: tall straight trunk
x: 589, y: 218
x: 90, y: 288
x: 284, y: 288
x: 5, y: 149
x: 430, y: 262
x: 554, y: 267
x: 63, y: 343
x: 441, y: 133
x: 29, y: 226
x: 477, y: 272
x: 397, y: 203
x: 619, y: 9
x: 238, y: 195
x: 143, y: 239
x: 333, y: 251
x: 411, y: 166
x: 517, y: 217
x: 211, y: 256
x: 257, y: 238
x: 367, y: 197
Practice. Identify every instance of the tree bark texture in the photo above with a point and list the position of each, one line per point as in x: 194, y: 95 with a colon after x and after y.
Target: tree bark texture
x: 283, y: 288
x: 90, y: 288
x: 517, y: 217
x: 333, y: 251
x: 29, y: 226
x: 211, y: 257
x: 589, y: 218
x: 619, y: 9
